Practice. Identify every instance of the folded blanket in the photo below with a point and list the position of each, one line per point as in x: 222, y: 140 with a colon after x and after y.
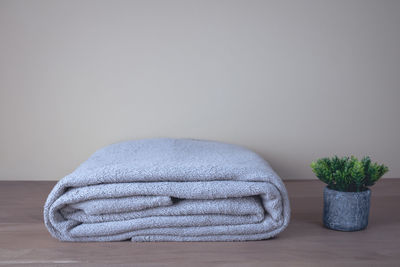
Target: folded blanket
x: 169, y: 190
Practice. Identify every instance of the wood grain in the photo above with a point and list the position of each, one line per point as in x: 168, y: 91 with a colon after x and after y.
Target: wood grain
x: 24, y: 240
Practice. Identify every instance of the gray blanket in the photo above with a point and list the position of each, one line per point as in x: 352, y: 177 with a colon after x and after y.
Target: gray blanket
x: 169, y: 190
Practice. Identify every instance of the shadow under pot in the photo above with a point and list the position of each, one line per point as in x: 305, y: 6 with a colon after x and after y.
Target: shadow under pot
x: 346, y: 211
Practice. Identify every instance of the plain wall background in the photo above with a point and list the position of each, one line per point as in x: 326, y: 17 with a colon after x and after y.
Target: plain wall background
x: 292, y: 80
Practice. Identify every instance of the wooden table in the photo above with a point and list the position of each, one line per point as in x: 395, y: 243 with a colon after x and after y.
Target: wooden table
x: 24, y: 240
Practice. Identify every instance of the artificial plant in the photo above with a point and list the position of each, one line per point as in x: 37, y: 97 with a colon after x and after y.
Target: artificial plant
x: 348, y: 174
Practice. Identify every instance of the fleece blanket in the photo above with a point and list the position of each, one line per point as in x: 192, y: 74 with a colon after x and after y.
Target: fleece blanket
x: 169, y: 190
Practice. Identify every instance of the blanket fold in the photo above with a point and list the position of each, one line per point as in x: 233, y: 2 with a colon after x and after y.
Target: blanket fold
x: 169, y: 190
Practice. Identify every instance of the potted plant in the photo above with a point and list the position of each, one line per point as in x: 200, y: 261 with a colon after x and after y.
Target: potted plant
x: 347, y: 196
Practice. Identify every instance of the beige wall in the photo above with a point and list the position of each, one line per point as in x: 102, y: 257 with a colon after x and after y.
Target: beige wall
x: 293, y: 80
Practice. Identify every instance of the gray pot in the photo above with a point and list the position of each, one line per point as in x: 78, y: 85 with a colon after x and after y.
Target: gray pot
x: 346, y: 211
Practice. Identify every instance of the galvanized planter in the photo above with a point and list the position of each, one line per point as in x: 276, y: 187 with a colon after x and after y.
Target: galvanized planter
x: 346, y: 211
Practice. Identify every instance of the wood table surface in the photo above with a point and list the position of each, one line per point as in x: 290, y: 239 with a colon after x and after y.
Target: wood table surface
x: 24, y: 240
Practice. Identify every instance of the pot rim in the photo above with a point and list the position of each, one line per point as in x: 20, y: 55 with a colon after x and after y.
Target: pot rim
x: 367, y: 191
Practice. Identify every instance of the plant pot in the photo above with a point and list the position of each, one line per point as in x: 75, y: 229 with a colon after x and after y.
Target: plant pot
x: 346, y: 211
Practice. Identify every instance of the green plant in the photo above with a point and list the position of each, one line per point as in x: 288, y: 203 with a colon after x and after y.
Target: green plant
x: 348, y: 174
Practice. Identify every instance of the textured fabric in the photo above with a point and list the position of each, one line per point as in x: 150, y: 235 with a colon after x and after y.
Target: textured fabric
x: 169, y: 190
